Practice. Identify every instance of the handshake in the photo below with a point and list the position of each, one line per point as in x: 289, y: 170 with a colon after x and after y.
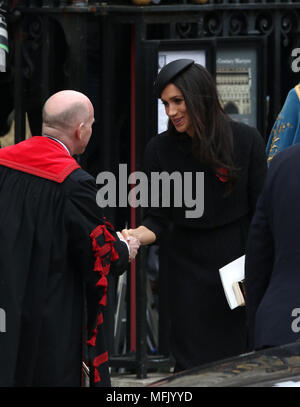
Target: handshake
x: 136, y: 237
x: 132, y: 242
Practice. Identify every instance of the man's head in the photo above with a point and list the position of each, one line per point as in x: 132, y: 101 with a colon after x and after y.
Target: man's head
x: 68, y: 116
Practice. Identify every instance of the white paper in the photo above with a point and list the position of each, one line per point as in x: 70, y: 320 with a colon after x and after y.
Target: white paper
x: 231, y: 273
x: 289, y: 383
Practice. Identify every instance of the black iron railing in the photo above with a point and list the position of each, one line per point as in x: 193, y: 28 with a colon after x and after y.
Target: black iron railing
x: 152, y: 3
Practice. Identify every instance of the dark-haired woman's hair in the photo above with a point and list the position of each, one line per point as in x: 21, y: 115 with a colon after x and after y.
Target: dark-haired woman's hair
x: 213, y: 140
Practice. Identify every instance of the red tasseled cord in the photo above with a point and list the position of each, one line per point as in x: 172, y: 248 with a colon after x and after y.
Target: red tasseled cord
x: 99, y: 360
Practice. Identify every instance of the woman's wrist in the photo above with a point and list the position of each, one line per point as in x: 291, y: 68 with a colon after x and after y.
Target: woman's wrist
x: 142, y: 233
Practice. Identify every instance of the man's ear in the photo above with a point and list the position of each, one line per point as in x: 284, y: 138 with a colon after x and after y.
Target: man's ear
x: 79, y: 130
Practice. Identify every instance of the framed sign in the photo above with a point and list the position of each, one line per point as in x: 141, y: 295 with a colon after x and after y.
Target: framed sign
x: 240, y: 78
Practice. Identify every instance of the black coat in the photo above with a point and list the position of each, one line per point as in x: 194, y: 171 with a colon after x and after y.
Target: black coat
x: 273, y: 256
x: 203, y: 328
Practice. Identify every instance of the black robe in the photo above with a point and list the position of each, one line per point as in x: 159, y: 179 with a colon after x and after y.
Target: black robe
x: 56, y: 250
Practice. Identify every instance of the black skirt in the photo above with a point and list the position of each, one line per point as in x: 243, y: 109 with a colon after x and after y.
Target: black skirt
x: 203, y: 327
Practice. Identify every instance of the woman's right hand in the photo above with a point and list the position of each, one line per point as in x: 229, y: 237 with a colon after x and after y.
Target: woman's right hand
x: 142, y: 233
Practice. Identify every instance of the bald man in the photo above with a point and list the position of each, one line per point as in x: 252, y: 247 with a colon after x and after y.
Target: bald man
x: 69, y: 116
x: 56, y: 251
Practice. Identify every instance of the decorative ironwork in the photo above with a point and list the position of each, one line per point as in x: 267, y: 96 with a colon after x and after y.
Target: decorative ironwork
x: 238, y: 24
x: 184, y: 29
x: 288, y: 25
x: 264, y: 23
x: 233, y: 4
x: 213, y: 24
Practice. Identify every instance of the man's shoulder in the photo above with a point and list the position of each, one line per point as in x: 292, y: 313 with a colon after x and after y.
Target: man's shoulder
x: 80, y: 175
x: 79, y: 179
x: 288, y: 156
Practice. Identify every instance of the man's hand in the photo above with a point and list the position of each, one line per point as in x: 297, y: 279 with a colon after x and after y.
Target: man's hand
x: 133, y: 244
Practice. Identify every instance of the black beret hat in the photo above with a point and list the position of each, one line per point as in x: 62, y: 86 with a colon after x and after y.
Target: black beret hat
x: 168, y: 72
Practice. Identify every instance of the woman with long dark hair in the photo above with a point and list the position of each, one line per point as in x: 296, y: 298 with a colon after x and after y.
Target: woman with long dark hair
x: 201, y: 138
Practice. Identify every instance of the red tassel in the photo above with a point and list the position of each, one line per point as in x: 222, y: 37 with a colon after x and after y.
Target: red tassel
x: 98, y: 265
x: 102, y: 251
x: 108, y: 236
x: 100, y: 359
x: 109, y: 225
x: 102, y: 282
x: 100, y: 319
x: 114, y: 254
x: 92, y: 341
x: 106, y: 269
x: 97, y: 231
x: 97, y: 377
x: 103, y: 300
x: 102, y: 261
